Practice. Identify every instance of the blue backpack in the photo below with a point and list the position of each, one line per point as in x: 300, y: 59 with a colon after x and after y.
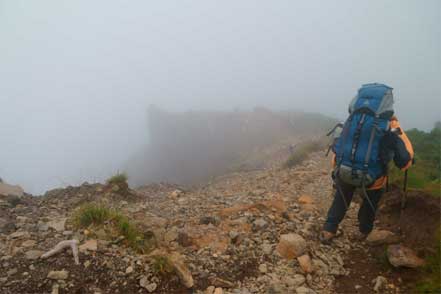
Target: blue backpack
x: 357, y: 149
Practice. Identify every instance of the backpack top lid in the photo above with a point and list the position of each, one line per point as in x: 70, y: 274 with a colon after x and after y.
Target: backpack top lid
x: 375, y: 98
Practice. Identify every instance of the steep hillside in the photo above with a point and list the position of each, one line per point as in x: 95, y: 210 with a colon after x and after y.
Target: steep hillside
x: 244, y: 232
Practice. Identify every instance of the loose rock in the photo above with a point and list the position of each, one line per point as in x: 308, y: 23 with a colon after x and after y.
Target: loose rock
x: 305, y: 263
x: 89, y: 245
x: 291, y: 246
x: 380, y: 282
x: 58, y: 275
x: 379, y: 237
x: 400, y: 255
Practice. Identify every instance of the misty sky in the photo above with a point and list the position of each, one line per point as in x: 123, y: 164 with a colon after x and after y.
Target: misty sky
x: 76, y: 77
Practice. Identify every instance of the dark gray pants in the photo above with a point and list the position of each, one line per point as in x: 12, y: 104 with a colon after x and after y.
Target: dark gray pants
x: 366, y: 214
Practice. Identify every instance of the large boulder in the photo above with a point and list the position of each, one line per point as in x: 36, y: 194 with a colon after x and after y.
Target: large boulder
x: 379, y: 237
x: 401, y: 256
x: 11, y: 190
x: 291, y: 246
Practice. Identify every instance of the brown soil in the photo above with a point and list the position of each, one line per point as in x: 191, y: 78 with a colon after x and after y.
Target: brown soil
x: 418, y: 222
x: 418, y: 225
x: 98, y: 275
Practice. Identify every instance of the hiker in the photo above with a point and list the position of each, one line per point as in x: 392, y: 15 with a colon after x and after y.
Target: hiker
x: 371, y: 137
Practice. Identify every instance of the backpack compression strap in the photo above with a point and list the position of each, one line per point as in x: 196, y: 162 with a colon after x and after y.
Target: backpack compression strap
x: 356, y: 141
x: 366, y: 163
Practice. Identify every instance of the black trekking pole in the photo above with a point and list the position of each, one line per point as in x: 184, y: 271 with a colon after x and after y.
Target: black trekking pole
x: 404, y: 198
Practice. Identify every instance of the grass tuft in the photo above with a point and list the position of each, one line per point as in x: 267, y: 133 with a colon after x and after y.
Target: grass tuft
x: 161, y: 265
x: 117, y: 224
x: 119, y: 181
x: 91, y: 214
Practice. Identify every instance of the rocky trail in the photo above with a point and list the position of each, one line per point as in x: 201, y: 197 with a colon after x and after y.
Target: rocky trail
x: 245, y: 232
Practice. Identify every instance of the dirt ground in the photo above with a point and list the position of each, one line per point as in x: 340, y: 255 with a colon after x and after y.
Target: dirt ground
x: 418, y: 226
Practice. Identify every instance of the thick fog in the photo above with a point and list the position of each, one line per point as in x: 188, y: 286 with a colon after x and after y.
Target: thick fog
x: 77, y: 77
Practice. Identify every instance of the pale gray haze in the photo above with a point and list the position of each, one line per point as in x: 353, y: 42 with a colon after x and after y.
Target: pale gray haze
x: 77, y: 77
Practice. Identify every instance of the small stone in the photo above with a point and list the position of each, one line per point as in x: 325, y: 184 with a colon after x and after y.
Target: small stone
x: 143, y: 282
x: 276, y: 288
x: 57, y: 224
x: 12, y: 272
x: 58, y: 275
x: 18, y: 235
x: 6, y: 227
x: 55, y: 288
x: 151, y: 287
x: 233, y: 234
x: 263, y: 268
x: 295, y: 281
x: 220, y: 283
x: 305, y: 199
x: 218, y: 291
x: 291, y: 246
x: 184, y: 239
x: 129, y: 270
x: 33, y: 254
x: 267, y: 248
x: 380, y: 282
x: 89, y: 245
x: 176, y: 194
x: 260, y: 223
x: 304, y: 290
x: 42, y: 227
x: 206, y: 220
x: 305, y: 263
x: 171, y: 235
x: 29, y: 243
x: 67, y: 233
x: 358, y: 287
x: 210, y: 290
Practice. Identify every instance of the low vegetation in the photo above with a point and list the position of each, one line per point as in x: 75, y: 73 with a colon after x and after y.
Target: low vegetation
x: 426, y: 173
x: 431, y: 282
x: 119, y: 181
x: 301, y: 151
x: 161, y: 265
x: 115, y: 224
x: 425, y: 176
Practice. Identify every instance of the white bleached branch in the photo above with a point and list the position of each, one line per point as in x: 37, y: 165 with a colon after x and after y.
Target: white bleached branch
x: 73, y: 244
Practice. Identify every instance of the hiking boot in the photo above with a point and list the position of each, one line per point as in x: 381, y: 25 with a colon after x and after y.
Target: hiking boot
x: 326, y: 237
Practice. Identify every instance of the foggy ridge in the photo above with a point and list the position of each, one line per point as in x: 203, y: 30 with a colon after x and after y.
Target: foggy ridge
x: 191, y: 147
